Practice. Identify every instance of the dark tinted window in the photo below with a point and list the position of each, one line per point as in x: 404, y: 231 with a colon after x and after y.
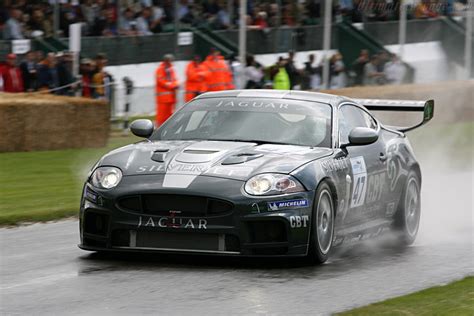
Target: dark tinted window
x: 263, y: 120
x: 351, y: 116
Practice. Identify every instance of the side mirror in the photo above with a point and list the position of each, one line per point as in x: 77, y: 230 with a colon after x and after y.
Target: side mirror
x: 362, y: 136
x: 142, y: 128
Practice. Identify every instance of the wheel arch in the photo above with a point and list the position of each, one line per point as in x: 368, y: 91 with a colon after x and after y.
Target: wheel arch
x: 416, y: 168
x: 332, y: 186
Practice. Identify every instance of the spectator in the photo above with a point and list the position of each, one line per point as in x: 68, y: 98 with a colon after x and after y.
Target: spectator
x: 281, y: 79
x: 158, y: 15
x: 253, y: 74
x: 337, y: 71
x: 144, y: 22
x: 47, y: 73
x: 166, y: 86
x: 86, y: 71
x: 394, y: 70
x: 101, y: 80
x: 12, y: 29
x: 291, y: 70
x: 371, y: 75
x: 261, y: 20
x: 384, y: 58
x: 105, y: 24
x: 69, y: 14
x: 183, y: 9
x: 312, y: 74
x: 423, y: 10
x: 128, y: 25
x: 222, y: 19
x: 195, y: 79
x: 11, y: 75
x: 236, y: 69
x: 358, y: 67
x: 29, y: 70
x: 90, y: 10
x: 219, y: 73
x: 39, y: 23
x: 65, y: 78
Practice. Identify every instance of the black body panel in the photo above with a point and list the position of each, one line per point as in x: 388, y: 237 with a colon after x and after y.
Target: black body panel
x: 188, y: 196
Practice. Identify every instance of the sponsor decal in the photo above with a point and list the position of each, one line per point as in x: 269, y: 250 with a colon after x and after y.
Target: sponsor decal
x: 359, y: 172
x: 151, y: 168
x: 279, y: 205
x: 172, y: 222
x: 185, y: 167
x: 237, y: 171
x: 254, y: 104
x: 375, y: 187
x: 335, y: 164
x: 299, y: 221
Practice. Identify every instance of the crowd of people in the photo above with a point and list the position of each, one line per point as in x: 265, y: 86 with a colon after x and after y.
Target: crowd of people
x: 26, y: 19
x: 216, y: 74
x: 377, y: 69
x: 53, y: 73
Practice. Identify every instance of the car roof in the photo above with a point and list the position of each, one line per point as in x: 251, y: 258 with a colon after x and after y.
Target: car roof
x: 331, y: 99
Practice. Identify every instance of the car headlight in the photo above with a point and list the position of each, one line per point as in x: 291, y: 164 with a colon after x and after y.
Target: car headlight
x: 106, y: 177
x: 272, y: 184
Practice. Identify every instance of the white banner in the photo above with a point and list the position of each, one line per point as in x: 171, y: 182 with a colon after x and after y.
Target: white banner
x: 185, y: 38
x: 21, y: 46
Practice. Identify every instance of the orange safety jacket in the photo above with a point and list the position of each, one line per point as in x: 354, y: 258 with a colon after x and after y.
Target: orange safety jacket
x: 219, y: 75
x: 166, y: 84
x: 195, y: 80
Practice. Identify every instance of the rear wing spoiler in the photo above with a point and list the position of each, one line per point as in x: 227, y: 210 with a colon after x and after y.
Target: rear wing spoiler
x: 427, y: 107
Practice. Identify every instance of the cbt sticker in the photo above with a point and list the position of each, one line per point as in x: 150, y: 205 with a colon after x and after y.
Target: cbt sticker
x: 279, y: 205
x: 359, y: 187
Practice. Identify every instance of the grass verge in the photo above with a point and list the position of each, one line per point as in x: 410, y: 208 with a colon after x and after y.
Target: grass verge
x: 46, y: 185
x: 456, y: 298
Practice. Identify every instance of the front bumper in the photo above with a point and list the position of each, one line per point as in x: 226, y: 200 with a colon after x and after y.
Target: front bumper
x: 253, y: 226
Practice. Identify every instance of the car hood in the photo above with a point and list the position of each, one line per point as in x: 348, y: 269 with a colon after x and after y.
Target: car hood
x: 225, y: 159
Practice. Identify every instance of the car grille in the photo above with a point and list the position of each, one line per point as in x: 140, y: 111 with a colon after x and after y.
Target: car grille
x: 175, y: 240
x: 186, y: 205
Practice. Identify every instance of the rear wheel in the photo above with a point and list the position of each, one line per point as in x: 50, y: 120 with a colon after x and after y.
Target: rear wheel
x: 407, y: 218
x: 322, y: 228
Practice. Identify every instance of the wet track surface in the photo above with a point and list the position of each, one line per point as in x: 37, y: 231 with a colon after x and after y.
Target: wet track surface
x: 43, y: 272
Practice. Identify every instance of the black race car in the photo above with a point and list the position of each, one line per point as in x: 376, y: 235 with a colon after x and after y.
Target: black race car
x: 257, y: 173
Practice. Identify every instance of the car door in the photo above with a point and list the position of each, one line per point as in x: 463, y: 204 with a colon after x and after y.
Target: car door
x: 367, y: 172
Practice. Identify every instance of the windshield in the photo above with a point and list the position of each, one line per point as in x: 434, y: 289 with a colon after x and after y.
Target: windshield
x: 258, y: 120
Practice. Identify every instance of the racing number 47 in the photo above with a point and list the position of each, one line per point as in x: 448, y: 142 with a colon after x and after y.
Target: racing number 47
x: 359, y: 190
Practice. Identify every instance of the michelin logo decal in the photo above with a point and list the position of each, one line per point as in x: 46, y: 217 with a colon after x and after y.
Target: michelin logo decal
x: 279, y: 205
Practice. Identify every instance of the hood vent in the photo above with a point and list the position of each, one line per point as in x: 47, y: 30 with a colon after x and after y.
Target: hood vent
x: 240, y: 158
x: 159, y: 155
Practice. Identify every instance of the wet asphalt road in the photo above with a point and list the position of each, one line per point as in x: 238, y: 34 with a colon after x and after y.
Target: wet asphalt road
x: 43, y: 272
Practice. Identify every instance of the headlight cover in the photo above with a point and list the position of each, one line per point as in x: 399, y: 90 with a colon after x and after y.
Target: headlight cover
x: 272, y: 184
x: 106, y: 177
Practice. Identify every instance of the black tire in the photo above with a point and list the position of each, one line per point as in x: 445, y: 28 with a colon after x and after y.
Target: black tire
x: 407, y: 217
x: 320, y: 239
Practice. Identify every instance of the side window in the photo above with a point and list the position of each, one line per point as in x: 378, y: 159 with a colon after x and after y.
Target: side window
x: 351, y: 117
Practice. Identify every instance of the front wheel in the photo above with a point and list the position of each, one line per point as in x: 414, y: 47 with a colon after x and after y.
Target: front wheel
x: 407, y: 218
x: 322, y: 228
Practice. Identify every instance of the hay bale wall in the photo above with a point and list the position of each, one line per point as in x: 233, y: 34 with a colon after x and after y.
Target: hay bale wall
x: 453, y: 100
x: 30, y: 122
